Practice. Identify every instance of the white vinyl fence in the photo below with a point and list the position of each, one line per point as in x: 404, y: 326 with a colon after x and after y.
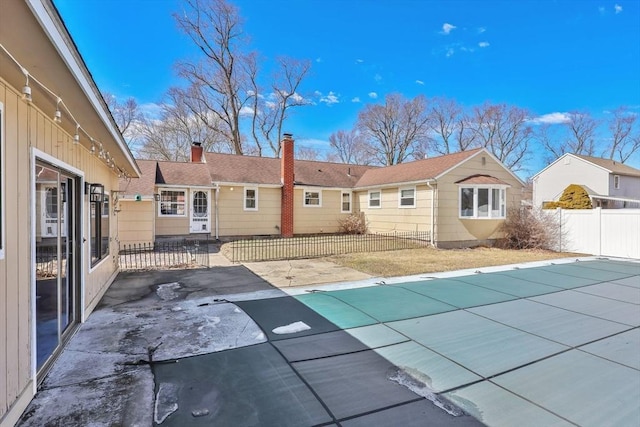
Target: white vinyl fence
x: 606, y: 232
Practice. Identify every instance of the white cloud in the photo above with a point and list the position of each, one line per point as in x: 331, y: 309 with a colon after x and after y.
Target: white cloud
x: 318, y: 60
x: 377, y: 78
x: 617, y: 8
x: 373, y: 95
x: 330, y: 99
x: 356, y: 99
x: 551, y: 119
x: 483, y: 44
x: 297, y: 97
x: 481, y: 30
x: 246, y: 111
x: 317, y: 93
x: 151, y: 110
x: 601, y: 10
x: 447, y: 28
x: 359, y: 61
x: 420, y: 82
x: 450, y: 52
x: 320, y: 144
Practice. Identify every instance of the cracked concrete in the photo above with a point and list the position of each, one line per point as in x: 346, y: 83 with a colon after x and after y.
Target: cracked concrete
x: 102, y: 377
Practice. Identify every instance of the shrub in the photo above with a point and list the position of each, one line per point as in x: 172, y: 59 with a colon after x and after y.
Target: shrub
x: 554, y: 205
x: 530, y: 229
x: 575, y: 197
x: 353, y: 224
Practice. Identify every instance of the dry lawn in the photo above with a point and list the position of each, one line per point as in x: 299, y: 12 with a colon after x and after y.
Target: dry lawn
x: 430, y: 260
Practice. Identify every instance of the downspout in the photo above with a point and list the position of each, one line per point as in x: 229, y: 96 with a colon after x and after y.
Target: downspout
x: 433, y: 213
x: 217, y: 216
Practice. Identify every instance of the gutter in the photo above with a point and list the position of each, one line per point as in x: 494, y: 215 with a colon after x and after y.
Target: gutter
x: 433, y: 213
x: 216, y: 188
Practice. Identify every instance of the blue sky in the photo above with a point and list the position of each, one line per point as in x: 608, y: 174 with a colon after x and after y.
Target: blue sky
x: 546, y: 56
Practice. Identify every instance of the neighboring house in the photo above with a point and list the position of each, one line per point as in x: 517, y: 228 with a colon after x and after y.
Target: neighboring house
x: 461, y: 199
x: 610, y: 184
x: 57, y: 245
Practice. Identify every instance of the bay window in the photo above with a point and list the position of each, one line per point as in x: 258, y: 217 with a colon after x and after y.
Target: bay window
x: 482, y: 202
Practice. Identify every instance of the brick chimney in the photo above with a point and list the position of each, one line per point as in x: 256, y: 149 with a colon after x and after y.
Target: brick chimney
x: 197, y: 152
x: 287, y: 178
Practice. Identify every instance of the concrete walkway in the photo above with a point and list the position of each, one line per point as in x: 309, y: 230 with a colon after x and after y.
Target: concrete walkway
x: 304, y: 272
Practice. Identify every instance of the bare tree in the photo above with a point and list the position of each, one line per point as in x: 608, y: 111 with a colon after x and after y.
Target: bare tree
x: 125, y: 114
x: 270, y: 110
x: 220, y: 81
x: 505, y: 131
x: 392, y: 130
x: 575, y: 136
x: 349, y: 147
x: 625, y: 135
x: 582, y: 128
x: 307, y: 153
x: 169, y: 136
x: 226, y: 81
x: 450, y: 128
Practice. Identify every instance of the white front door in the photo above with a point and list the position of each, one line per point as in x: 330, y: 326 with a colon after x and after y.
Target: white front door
x: 200, y: 212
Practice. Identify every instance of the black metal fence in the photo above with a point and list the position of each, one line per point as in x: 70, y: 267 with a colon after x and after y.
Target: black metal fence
x: 271, y: 249
x: 165, y: 255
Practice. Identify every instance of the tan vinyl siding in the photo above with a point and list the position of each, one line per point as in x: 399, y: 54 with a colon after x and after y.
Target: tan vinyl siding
x: 449, y: 227
x: 322, y: 219
x: 15, y: 303
x: 26, y: 127
x: 171, y: 226
x: 135, y: 222
x: 235, y: 221
x: 390, y: 217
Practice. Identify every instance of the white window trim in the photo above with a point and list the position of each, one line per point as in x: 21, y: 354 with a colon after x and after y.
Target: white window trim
x: 304, y: 197
x: 379, y: 199
x: 186, y: 203
x: 3, y: 207
x: 475, y: 201
x: 342, y: 193
x: 244, y: 199
x: 616, y: 182
x: 400, y: 198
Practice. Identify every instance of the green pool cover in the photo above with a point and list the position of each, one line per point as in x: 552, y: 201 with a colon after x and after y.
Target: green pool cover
x: 553, y: 345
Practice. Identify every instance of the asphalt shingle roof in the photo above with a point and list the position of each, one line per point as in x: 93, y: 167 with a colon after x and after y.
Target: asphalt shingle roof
x: 181, y: 173
x: 230, y: 168
x: 144, y: 185
x: 414, y: 171
x: 612, y: 165
x: 266, y: 170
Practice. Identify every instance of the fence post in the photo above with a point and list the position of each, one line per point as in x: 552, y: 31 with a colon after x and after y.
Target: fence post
x: 599, y: 221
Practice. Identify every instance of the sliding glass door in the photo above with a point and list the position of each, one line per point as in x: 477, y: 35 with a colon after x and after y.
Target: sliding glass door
x: 56, y: 243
